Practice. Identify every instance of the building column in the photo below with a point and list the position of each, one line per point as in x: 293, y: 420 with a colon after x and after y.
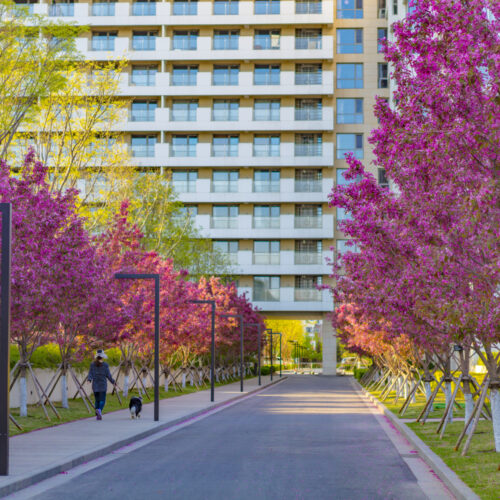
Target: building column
x: 329, y: 340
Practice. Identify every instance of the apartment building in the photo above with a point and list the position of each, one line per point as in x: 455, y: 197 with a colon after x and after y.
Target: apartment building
x: 250, y: 107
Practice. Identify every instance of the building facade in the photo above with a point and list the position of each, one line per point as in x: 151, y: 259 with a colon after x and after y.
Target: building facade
x: 250, y: 106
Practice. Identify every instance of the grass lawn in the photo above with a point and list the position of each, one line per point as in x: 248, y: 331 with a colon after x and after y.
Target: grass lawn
x: 480, y: 468
x: 36, y: 418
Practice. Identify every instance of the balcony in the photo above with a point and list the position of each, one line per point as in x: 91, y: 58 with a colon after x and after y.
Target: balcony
x: 62, y: 10
x: 142, y: 116
x: 224, y: 223
x: 266, y: 295
x: 224, y: 187
x: 184, y: 186
x: 266, y: 187
x: 308, y: 222
x: 266, y: 222
x: 103, y: 9
x: 144, y: 9
x: 266, y: 259
x: 307, y: 295
x: 308, y: 186
x: 308, y: 149
x: 308, y: 258
x: 143, y: 151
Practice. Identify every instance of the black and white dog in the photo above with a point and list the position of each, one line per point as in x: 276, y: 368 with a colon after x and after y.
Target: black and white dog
x: 135, y: 407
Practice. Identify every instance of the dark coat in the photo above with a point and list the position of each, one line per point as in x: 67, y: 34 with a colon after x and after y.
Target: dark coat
x: 98, y: 375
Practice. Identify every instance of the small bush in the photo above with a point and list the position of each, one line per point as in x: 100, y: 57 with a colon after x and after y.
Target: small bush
x: 359, y: 372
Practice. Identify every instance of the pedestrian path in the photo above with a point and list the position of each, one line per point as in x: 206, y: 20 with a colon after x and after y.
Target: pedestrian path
x: 36, y: 455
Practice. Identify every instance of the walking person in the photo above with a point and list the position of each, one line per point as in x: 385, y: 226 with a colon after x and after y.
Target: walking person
x: 99, y: 375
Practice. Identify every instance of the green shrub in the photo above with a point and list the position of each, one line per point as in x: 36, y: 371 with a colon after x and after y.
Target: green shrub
x: 359, y: 372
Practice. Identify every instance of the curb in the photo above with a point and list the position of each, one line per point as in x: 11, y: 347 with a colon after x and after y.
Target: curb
x: 449, y: 478
x: 25, y: 481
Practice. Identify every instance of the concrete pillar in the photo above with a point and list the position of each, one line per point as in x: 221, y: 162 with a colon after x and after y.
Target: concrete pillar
x: 329, y: 340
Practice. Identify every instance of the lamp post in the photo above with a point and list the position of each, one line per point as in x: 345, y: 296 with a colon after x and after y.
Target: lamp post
x: 258, y: 325
x: 270, y: 332
x: 6, y: 211
x: 212, y: 346
x: 156, y: 278
x: 240, y: 317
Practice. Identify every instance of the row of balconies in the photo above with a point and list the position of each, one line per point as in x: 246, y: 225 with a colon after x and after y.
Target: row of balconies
x: 194, y: 14
x: 287, y: 226
x: 161, y: 48
x: 251, y: 191
x: 289, y: 118
x: 203, y: 85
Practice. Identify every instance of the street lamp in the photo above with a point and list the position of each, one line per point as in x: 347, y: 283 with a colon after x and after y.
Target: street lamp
x: 6, y: 211
x: 258, y: 325
x: 156, y: 278
x: 240, y: 317
x: 212, y: 346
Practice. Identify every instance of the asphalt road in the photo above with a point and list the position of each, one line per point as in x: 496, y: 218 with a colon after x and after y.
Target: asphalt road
x: 309, y: 437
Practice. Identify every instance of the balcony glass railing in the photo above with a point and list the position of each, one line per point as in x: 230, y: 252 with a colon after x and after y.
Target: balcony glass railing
x: 103, y: 44
x: 266, y: 295
x: 308, y: 149
x: 308, y: 187
x: 62, y: 10
x: 224, y: 187
x: 266, y: 222
x: 144, y: 9
x: 307, y: 258
x: 308, y: 222
x: 308, y: 114
x: 182, y: 150
x: 224, y: 150
x: 308, y: 7
x: 224, y: 223
x: 185, y: 186
x: 103, y: 9
x: 266, y: 187
x: 143, y: 151
x: 307, y: 294
x: 142, y: 116
x: 266, y: 150
x: 309, y: 43
x: 263, y: 259
x: 148, y: 43
x: 308, y: 78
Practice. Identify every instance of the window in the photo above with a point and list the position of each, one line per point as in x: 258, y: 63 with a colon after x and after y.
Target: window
x: 306, y: 288
x: 26, y: 5
x: 266, y: 40
x: 308, y: 180
x: 227, y: 248
x: 184, y: 110
x: 143, y: 75
x: 184, y: 75
x: 184, y: 181
x: 143, y: 111
x: 381, y: 9
x: 381, y: 35
x: 190, y: 211
x: 350, y: 9
x: 342, y: 181
x: 308, y: 109
x: 106, y: 8
x: 350, y: 41
x: 266, y: 181
x: 266, y: 109
x: 104, y: 40
x: 308, y: 216
x: 144, y: 40
x: 349, y: 143
x: 266, y: 288
x: 349, y: 76
x: 225, y: 110
x: 308, y: 252
x: 266, y: 74
x: 225, y: 74
x: 266, y: 145
x: 144, y: 8
x: 62, y: 9
x: 225, y: 145
x: 225, y: 216
x: 395, y: 7
x: 344, y: 246
x: 226, y: 7
x: 266, y: 253
x: 382, y: 178
x: 266, y: 216
x: 183, y: 145
x: 342, y: 216
x: 185, y: 40
x: 225, y: 181
x: 308, y: 145
x: 143, y: 146
x: 308, y: 6
x: 308, y: 38
x: 267, y: 6
x: 308, y: 74
x: 226, y: 39
x: 185, y: 8
x: 383, y: 80
x: 349, y: 110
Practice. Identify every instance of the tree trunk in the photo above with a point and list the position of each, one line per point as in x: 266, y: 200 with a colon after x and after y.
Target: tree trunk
x: 64, y: 390
x: 183, y: 379
x: 125, y: 385
x: 495, y: 410
x: 166, y: 382
x: 428, y: 394
x: 447, y: 393
x: 23, y: 394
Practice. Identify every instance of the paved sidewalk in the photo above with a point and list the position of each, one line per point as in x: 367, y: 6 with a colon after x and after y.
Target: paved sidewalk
x: 40, y: 454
